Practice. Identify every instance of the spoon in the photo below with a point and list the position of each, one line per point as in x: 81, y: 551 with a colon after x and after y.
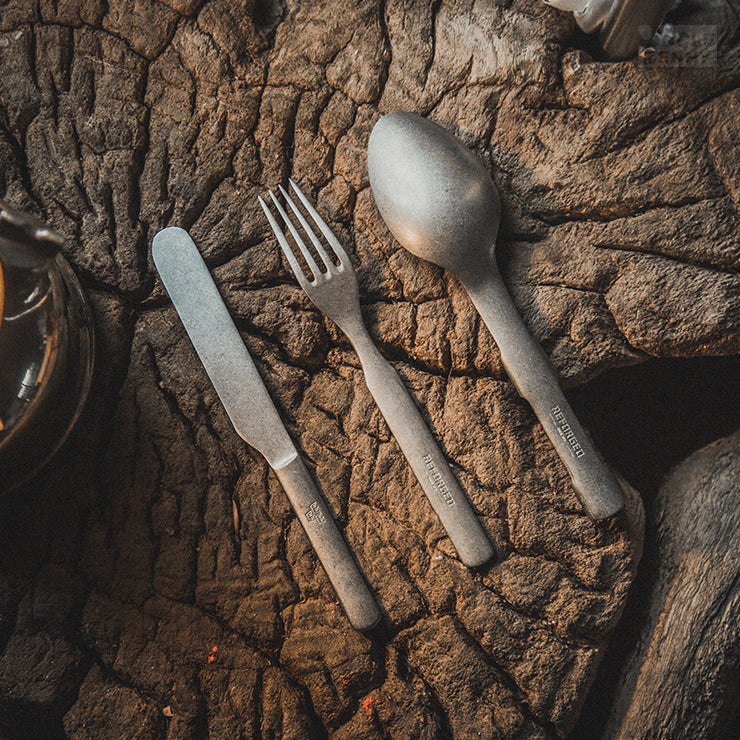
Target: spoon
x: 441, y: 204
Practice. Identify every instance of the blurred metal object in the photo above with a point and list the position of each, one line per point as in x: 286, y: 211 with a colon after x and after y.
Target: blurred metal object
x: 589, y: 14
x: 26, y: 241
x: 623, y: 25
x: 630, y: 25
x: 46, y: 347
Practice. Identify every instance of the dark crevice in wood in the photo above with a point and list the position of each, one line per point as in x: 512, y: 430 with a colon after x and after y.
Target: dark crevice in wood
x: 645, y: 420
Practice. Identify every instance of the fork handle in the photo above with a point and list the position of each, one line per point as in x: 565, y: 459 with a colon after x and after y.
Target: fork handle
x: 423, y: 454
x: 329, y: 545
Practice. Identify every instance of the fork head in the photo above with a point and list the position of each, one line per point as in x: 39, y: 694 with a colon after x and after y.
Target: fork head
x: 332, y: 285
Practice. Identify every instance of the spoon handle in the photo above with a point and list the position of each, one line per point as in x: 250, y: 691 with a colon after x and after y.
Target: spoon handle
x: 423, y: 454
x: 534, y: 377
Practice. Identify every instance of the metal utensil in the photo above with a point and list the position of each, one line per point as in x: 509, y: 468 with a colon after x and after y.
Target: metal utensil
x: 441, y: 204
x: 333, y: 288
x: 250, y: 408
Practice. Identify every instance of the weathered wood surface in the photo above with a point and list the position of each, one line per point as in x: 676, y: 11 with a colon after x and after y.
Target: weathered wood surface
x: 682, y: 681
x: 159, y: 535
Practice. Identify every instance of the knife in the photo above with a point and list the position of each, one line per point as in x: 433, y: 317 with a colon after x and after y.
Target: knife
x: 252, y: 412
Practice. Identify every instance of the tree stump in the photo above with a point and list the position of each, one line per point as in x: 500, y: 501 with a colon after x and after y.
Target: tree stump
x: 681, y: 681
x: 155, y: 581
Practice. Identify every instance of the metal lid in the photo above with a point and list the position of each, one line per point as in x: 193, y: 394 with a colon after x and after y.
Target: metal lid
x: 25, y: 241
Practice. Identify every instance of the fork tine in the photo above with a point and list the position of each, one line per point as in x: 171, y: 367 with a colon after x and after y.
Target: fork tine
x: 307, y: 228
x: 298, y: 240
x: 323, y: 226
x: 283, y: 242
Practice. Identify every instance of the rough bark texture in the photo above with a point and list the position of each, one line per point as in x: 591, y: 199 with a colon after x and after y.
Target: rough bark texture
x: 159, y: 536
x: 681, y: 681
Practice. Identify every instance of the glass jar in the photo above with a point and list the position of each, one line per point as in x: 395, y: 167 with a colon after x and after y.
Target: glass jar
x: 46, y: 347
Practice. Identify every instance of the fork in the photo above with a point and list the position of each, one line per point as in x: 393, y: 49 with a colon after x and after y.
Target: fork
x: 333, y: 289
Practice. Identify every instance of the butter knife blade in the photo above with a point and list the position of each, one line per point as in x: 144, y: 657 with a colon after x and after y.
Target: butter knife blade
x: 220, y: 346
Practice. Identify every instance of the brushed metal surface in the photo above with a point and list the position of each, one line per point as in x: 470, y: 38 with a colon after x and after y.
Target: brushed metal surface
x: 219, y: 346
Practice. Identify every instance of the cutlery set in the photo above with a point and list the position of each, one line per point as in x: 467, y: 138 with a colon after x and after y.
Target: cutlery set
x: 440, y: 204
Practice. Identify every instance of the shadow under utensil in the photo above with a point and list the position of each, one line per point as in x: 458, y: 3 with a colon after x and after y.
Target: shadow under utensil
x: 647, y: 418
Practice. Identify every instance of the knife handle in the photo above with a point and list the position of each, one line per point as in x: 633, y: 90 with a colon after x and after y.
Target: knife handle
x: 329, y: 545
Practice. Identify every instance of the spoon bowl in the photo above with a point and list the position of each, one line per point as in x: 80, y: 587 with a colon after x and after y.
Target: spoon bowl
x: 441, y: 205
x: 417, y: 169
